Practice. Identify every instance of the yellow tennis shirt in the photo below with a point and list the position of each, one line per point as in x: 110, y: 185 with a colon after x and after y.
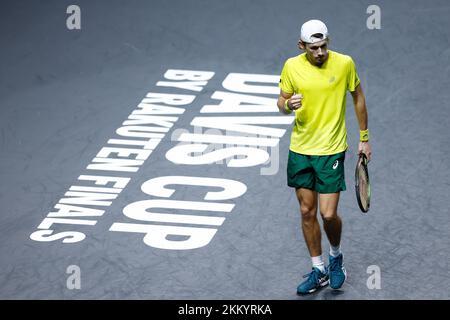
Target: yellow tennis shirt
x: 320, y: 123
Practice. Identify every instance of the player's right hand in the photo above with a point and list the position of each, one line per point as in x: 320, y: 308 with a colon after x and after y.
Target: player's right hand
x: 295, y: 102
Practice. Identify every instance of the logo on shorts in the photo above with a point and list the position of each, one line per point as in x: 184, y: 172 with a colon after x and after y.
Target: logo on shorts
x: 335, y: 165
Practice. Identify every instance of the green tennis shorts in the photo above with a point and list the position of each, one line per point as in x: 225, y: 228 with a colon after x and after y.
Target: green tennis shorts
x: 324, y: 174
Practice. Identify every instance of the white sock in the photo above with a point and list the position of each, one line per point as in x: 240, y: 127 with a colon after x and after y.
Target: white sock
x: 335, y: 251
x: 318, y: 263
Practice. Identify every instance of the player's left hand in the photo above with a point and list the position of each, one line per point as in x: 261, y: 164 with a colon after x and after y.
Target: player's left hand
x: 365, y: 148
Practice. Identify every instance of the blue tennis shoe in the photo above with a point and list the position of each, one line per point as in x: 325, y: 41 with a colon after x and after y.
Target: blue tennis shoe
x: 315, y: 279
x: 336, y: 271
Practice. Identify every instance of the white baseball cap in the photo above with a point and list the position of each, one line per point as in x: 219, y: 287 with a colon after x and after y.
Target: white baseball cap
x: 313, y: 31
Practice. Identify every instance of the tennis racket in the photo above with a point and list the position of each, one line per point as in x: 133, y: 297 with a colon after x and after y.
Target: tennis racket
x: 362, y: 184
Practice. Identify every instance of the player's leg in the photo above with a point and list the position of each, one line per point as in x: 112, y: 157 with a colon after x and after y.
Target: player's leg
x: 332, y: 223
x: 301, y: 176
x: 310, y: 225
x: 311, y: 232
x: 331, y: 181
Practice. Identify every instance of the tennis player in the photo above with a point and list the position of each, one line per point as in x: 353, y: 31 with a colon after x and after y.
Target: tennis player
x: 314, y: 86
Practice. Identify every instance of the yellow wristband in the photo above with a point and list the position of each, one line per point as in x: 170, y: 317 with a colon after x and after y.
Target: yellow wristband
x: 286, y: 107
x: 364, y: 135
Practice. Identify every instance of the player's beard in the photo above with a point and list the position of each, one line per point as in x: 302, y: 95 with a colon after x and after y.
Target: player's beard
x: 320, y: 60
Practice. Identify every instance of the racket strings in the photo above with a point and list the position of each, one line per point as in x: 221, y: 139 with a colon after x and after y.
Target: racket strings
x: 364, y: 192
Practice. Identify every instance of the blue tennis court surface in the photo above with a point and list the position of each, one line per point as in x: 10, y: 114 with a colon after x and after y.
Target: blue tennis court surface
x: 143, y: 155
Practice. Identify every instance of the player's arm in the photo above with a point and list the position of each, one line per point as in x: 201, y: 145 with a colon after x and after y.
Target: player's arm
x: 282, y: 100
x: 290, y: 101
x: 359, y: 102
